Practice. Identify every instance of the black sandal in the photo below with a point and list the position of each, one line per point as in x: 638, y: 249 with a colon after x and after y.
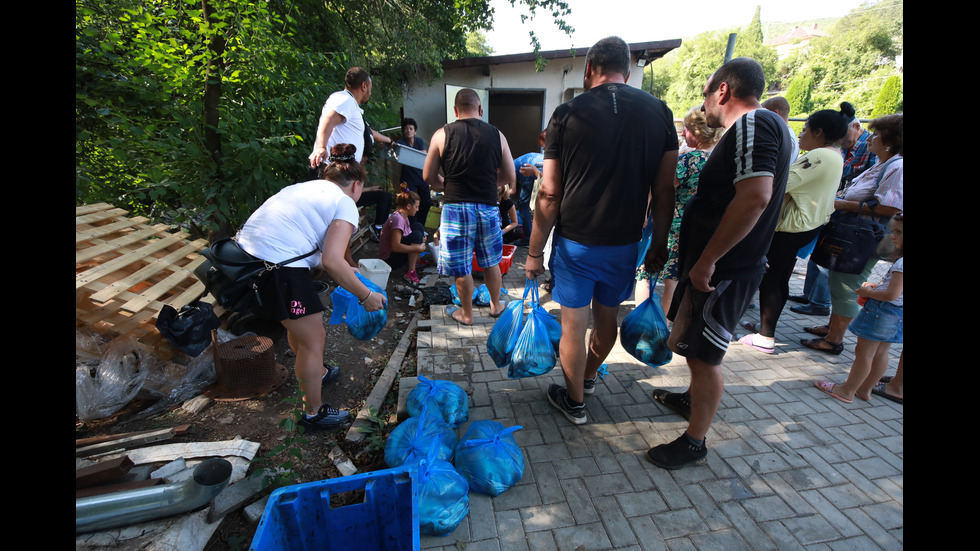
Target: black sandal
x: 835, y: 348
x: 680, y: 402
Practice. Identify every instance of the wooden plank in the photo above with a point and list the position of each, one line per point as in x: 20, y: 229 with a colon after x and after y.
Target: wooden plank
x: 154, y: 266
x: 160, y: 289
x: 81, y: 210
x: 118, y: 243
x: 99, y: 216
x: 131, y: 257
x: 96, y: 232
x: 124, y: 441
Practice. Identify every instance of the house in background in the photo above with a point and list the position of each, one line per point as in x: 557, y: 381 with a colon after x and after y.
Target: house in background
x: 516, y: 99
x: 793, y: 40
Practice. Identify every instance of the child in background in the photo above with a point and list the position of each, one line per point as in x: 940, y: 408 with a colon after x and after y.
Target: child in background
x: 402, y: 241
x: 510, y: 227
x: 877, y: 326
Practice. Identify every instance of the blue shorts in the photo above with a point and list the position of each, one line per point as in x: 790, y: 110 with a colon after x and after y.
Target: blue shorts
x: 583, y: 272
x: 466, y: 228
x: 878, y: 321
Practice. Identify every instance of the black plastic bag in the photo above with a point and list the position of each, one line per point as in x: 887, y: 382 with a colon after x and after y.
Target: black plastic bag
x: 190, y: 329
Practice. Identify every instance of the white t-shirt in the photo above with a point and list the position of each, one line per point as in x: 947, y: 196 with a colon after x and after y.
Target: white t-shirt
x: 295, y: 221
x: 352, y: 129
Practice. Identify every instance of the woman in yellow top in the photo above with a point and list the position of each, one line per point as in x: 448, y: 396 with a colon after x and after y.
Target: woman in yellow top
x: 807, y: 205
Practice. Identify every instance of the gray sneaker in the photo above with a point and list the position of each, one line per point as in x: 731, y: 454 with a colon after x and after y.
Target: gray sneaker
x: 558, y: 396
x: 590, y: 385
x: 326, y: 418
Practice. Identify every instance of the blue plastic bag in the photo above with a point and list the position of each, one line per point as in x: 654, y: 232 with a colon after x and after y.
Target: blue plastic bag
x: 553, y: 325
x: 534, y: 352
x: 444, y: 499
x: 446, y: 399
x: 481, y: 295
x: 361, y: 324
x: 418, y: 437
x: 489, y: 458
x: 503, y: 335
x: 644, y: 332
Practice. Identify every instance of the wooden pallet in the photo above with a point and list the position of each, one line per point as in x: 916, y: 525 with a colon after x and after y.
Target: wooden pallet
x: 126, y: 270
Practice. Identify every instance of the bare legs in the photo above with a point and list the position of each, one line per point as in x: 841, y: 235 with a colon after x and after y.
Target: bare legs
x: 579, y: 361
x: 706, y: 388
x: 870, y: 363
x: 306, y: 337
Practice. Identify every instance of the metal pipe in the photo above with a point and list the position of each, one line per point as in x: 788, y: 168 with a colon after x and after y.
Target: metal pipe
x: 132, y: 506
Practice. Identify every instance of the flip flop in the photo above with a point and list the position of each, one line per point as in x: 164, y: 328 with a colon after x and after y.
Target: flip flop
x: 750, y: 326
x: 450, y: 310
x: 814, y: 344
x: 879, y: 390
x: 828, y: 387
x: 680, y: 402
x: 749, y: 340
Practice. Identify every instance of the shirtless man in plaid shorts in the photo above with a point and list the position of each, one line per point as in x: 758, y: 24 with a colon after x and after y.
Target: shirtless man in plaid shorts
x: 475, y: 161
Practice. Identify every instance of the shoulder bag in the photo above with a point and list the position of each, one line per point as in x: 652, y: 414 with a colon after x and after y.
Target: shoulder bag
x: 849, y: 240
x: 232, y: 275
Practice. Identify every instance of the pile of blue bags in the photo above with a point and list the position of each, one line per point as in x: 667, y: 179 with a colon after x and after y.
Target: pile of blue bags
x: 486, y: 460
x: 481, y: 295
x: 527, y: 344
x: 361, y: 324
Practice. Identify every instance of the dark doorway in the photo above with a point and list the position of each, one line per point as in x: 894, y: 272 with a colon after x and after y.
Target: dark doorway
x: 519, y: 114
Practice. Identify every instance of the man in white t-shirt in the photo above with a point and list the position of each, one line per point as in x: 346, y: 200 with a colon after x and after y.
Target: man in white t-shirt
x: 342, y: 119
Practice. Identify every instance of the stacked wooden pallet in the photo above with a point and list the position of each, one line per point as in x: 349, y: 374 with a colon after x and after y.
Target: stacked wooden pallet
x: 126, y: 270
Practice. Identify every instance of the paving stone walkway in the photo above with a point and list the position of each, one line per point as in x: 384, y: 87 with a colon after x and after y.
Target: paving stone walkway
x: 788, y: 466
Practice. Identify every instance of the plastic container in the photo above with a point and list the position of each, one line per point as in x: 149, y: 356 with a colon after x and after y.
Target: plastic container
x: 376, y: 270
x: 384, y: 514
x: 410, y: 156
x: 505, y: 261
x: 434, y: 218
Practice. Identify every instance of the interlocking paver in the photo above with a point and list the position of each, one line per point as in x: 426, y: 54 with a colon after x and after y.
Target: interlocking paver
x: 788, y: 467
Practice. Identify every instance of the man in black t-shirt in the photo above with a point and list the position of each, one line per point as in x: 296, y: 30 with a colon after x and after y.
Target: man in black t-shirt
x: 607, y: 151
x: 725, y: 233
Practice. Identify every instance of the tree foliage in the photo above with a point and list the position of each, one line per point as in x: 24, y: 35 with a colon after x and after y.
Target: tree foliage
x: 197, y: 110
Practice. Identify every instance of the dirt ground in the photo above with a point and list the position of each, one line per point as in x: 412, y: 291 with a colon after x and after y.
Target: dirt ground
x: 258, y: 420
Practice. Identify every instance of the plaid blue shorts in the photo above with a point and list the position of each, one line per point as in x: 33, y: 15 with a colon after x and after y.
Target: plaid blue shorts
x: 466, y: 228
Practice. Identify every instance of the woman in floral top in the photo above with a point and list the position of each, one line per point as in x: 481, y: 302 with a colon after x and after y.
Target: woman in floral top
x: 702, y: 140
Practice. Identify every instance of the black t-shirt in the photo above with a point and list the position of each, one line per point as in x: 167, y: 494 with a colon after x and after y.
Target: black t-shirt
x: 470, y: 160
x: 608, y: 142
x: 758, y: 144
x: 505, y: 206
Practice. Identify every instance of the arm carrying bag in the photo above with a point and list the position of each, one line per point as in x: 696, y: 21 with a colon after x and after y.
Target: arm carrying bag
x: 232, y: 275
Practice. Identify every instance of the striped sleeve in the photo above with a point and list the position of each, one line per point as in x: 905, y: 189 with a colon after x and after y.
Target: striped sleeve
x: 756, y: 147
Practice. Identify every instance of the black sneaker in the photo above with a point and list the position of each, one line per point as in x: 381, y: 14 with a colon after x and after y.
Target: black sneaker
x: 679, y: 453
x: 326, y: 418
x: 680, y: 402
x: 332, y: 374
x: 590, y: 385
x: 558, y: 396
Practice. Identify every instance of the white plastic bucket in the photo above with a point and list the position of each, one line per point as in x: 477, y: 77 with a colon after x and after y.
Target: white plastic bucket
x: 376, y: 270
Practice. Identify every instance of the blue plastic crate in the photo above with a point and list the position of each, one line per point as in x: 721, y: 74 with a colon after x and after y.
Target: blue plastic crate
x: 300, y: 517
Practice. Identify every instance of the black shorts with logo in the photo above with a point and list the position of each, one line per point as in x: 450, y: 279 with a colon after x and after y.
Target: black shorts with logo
x: 705, y: 322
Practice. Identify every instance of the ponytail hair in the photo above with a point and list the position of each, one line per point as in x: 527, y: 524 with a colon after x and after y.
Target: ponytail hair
x: 343, y: 168
x: 405, y: 197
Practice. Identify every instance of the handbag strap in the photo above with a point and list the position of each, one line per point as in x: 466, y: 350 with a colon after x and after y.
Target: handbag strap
x: 268, y: 265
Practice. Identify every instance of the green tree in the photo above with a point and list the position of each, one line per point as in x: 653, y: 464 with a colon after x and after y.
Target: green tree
x: 798, y: 95
x: 197, y: 110
x: 889, y: 100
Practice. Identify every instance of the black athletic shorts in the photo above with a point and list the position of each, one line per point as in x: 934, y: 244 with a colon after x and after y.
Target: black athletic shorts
x: 705, y: 322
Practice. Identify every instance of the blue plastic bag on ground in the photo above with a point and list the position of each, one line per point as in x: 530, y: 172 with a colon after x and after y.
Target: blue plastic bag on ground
x: 503, y: 335
x: 644, y: 332
x: 443, y: 398
x: 444, y: 499
x: 489, y: 458
x: 361, y: 324
x: 418, y: 437
x: 534, y: 352
x: 481, y: 295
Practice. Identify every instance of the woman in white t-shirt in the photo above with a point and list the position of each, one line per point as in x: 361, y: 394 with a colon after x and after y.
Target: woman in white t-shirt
x: 319, y: 215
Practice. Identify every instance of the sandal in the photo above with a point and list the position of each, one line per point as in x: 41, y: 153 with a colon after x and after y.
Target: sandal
x: 816, y: 344
x: 680, y: 402
x: 828, y: 387
x: 879, y: 390
x: 749, y: 340
x: 818, y: 330
x: 750, y: 326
